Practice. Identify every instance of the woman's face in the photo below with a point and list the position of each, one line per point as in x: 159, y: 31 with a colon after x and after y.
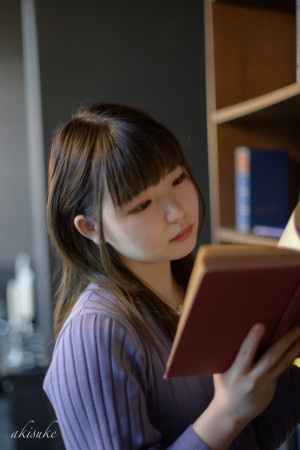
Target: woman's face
x: 159, y: 224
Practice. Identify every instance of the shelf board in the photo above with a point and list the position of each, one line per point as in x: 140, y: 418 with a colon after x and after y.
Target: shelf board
x: 230, y: 235
x: 286, y: 94
x: 282, y: 4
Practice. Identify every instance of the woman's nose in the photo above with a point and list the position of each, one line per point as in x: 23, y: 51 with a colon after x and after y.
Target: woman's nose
x: 174, y: 210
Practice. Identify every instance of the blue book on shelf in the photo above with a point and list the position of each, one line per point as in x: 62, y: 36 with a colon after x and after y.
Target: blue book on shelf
x: 261, y: 188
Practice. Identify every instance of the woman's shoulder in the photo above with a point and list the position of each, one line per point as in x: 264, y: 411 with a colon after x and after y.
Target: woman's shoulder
x: 95, y: 300
x: 94, y: 310
x: 95, y: 337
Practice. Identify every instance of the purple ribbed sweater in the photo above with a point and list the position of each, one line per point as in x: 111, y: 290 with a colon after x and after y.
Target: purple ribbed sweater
x: 106, y: 385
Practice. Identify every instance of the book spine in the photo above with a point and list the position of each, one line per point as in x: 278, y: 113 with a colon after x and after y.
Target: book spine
x: 242, y: 189
x: 261, y: 188
x: 269, y: 172
x: 298, y: 40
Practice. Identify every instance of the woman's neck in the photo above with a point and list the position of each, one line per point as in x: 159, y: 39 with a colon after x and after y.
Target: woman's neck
x: 159, y: 278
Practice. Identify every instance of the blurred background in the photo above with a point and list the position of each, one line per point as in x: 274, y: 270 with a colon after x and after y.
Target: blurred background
x: 54, y: 56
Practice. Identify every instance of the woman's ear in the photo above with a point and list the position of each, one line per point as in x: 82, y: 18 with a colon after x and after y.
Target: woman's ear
x: 86, y: 228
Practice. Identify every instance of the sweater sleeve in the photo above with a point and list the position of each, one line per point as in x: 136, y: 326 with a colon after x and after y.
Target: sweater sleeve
x: 98, y: 388
x: 282, y: 416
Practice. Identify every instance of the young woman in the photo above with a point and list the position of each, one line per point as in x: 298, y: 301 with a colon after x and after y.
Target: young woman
x: 123, y: 217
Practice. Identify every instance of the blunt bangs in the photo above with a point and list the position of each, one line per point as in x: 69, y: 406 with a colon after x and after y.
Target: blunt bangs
x: 139, y: 159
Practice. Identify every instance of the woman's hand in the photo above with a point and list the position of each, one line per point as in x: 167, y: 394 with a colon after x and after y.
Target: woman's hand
x: 247, y: 388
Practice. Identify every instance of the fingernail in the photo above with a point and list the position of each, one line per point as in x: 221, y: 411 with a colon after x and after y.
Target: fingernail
x: 258, y: 328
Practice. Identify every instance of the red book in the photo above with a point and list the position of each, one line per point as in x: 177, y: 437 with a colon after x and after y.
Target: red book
x: 232, y: 287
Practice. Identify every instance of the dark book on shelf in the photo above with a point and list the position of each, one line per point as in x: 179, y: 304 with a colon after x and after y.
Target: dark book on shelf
x: 261, y: 188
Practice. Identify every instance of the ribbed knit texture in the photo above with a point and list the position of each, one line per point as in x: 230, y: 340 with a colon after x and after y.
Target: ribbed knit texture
x: 106, y: 385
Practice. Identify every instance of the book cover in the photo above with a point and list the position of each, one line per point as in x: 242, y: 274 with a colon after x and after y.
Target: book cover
x: 261, y: 188
x: 231, y: 288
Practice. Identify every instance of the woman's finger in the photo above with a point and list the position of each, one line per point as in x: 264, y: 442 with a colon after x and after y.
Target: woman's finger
x: 248, y: 349
x: 280, y: 355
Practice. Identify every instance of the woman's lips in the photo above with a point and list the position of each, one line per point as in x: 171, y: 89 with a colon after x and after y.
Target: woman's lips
x: 183, y: 234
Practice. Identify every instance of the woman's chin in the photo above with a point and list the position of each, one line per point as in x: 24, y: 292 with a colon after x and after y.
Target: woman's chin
x: 184, y: 249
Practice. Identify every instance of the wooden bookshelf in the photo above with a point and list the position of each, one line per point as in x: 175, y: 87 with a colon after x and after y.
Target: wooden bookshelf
x: 253, y: 97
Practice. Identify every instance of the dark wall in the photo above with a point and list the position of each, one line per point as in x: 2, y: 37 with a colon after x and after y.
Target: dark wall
x: 146, y: 53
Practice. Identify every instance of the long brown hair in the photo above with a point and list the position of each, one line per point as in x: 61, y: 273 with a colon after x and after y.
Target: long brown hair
x: 122, y: 150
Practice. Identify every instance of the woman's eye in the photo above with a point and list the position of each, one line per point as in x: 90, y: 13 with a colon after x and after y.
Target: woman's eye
x: 142, y: 207
x: 179, y: 179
